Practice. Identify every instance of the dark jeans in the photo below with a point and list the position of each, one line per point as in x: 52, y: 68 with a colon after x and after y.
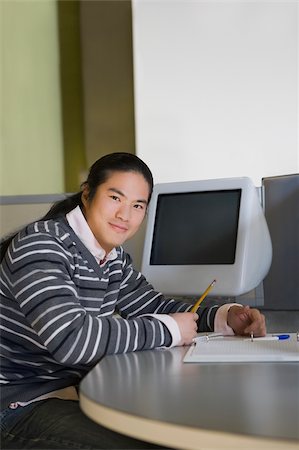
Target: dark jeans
x: 59, y: 424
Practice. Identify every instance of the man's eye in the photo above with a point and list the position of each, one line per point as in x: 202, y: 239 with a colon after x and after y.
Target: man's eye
x: 114, y: 197
x: 138, y: 206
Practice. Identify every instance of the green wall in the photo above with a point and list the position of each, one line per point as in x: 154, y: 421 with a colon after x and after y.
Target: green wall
x: 30, y: 121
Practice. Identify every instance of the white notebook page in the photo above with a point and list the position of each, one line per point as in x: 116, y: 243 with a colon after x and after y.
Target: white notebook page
x: 240, y: 349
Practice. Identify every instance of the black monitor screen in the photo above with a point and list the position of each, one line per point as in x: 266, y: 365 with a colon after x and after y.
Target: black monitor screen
x: 196, y: 228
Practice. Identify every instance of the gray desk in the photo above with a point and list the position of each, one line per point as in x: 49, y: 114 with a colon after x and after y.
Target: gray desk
x: 153, y: 396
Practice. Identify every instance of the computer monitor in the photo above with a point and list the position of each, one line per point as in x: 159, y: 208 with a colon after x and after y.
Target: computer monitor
x: 198, y: 231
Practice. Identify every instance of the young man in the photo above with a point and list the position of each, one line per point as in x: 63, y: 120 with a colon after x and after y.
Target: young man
x: 62, y: 280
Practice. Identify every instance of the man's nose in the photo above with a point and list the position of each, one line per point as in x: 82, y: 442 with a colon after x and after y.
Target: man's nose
x: 123, y: 212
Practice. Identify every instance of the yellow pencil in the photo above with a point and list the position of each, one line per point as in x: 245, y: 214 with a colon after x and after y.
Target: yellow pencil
x: 196, y: 305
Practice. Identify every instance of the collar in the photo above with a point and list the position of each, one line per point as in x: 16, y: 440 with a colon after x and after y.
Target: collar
x: 78, y: 223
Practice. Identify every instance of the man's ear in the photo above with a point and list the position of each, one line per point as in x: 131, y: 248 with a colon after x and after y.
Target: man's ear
x: 84, y: 195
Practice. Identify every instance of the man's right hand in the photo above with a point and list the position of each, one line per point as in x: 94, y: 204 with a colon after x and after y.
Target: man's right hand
x: 187, y: 324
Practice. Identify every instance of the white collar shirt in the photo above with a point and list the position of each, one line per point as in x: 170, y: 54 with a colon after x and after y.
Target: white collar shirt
x: 78, y: 223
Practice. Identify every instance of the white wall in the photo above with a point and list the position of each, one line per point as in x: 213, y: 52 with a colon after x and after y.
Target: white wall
x: 216, y: 88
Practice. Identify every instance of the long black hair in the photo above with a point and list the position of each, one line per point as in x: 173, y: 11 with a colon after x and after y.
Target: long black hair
x: 98, y: 174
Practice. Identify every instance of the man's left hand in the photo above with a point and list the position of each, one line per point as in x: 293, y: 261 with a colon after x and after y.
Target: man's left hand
x: 244, y: 321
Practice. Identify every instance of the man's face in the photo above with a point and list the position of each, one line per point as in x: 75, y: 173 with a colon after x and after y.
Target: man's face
x: 117, y: 209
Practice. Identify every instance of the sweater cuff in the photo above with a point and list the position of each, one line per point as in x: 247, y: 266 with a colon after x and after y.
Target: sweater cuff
x: 220, y: 325
x: 171, y: 325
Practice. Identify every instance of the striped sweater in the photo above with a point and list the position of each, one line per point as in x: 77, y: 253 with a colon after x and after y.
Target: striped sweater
x: 58, y: 311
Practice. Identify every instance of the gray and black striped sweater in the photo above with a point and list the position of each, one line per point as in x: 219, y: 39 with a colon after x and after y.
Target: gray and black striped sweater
x: 58, y: 311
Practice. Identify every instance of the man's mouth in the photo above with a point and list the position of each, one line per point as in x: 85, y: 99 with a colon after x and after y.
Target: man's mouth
x: 119, y: 228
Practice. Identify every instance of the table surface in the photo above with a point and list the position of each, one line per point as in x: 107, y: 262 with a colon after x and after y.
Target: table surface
x: 152, y: 395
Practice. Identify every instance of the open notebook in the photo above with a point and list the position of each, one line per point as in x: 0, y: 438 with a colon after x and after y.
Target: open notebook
x: 241, y: 349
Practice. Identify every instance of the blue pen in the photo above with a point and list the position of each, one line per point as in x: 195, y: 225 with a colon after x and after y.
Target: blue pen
x: 273, y: 337
x: 282, y: 337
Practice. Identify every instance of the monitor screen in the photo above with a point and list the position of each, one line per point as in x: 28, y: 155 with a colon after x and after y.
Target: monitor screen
x: 198, y: 231
x: 204, y: 231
